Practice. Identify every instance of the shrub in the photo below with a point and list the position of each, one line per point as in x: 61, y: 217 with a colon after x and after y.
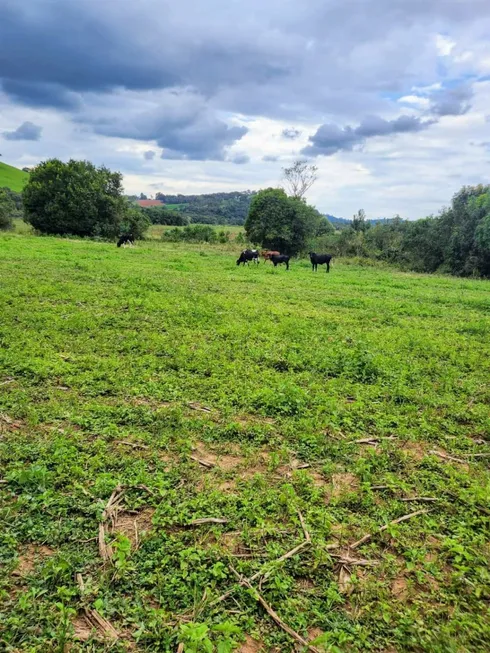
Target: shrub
x: 197, y: 233
x: 75, y: 198
x: 7, y: 209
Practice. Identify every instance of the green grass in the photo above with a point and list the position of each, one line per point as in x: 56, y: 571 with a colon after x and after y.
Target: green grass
x: 117, y: 366
x: 12, y: 178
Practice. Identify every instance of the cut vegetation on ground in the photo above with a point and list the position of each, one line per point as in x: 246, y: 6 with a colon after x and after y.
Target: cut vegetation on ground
x: 200, y: 457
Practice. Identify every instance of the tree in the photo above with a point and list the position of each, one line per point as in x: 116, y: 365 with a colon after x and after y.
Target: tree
x: 299, y: 178
x: 276, y: 221
x: 75, y: 198
x: 7, y: 209
x: 359, y: 221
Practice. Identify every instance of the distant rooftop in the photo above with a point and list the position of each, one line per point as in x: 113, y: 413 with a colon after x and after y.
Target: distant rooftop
x: 147, y: 203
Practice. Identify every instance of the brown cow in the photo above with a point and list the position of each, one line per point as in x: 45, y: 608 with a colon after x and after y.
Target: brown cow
x: 269, y: 253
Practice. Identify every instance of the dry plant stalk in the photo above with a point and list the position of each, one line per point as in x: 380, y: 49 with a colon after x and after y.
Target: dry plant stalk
x: 383, y: 528
x: 264, y: 570
x: 273, y: 614
x: 204, y: 463
x: 446, y: 456
x: 95, y: 619
x: 105, y: 550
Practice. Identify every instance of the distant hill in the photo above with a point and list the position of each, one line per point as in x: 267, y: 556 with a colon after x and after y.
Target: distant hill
x: 12, y: 178
x: 345, y: 222
x: 214, y: 208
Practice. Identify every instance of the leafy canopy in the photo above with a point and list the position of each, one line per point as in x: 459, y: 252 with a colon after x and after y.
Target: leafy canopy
x: 7, y: 208
x: 75, y: 198
x: 276, y: 221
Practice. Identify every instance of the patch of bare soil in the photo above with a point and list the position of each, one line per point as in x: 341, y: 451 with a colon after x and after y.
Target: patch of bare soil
x: 343, y: 483
x: 305, y: 584
x: 251, y: 646
x: 399, y: 588
x: 132, y: 526
x: 152, y: 403
x: 30, y: 557
x: 223, y: 461
x: 7, y: 423
x: 415, y: 449
x: 314, y: 633
x: 82, y: 629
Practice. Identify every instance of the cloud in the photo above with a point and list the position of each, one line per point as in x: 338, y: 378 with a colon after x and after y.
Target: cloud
x: 180, y: 122
x: 35, y: 94
x: 28, y: 131
x: 291, y: 133
x: 149, y: 155
x: 269, y: 158
x: 452, y: 102
x: 329, y: 138
x: 240, y: 158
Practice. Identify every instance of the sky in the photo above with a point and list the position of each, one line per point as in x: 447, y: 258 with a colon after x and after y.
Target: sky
x: 390, y: 99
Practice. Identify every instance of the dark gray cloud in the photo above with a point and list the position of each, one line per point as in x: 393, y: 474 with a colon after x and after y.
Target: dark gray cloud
x: 240, y: 158
x: 266, y: 58
x: 452, y: 102
x: 330, y: 61
x: 329, y: 138
x: 28, y: 131
x: 34, y: 94
x: 291, y: 133
x: 182, y: 124
x: 149, y: 155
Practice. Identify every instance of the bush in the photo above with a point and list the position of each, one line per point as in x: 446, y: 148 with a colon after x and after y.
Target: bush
x: 162, y: 215
x: 197, y: 233
x: 7, y: 210
x: 135, y: 223
x: 75, y: 198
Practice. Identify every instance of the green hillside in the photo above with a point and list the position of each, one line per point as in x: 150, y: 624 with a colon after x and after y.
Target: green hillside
x: 12, y: 178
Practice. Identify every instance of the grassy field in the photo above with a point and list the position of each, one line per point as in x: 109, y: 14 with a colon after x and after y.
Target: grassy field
x: 145, y: 392
x: 12, y: 178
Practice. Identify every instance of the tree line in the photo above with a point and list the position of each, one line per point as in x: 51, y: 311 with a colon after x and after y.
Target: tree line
x: 80, y: 199
x: 457, y: 241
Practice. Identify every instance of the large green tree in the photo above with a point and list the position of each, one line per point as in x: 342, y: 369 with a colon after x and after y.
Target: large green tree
x: 75, y: 198
x: 7, y: 208
x: 276, y: 221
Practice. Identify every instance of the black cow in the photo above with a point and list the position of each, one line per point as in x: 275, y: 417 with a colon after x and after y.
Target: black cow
x: 248, y: 255
x: 126, y: 239
x: 319, y: 259
x: 278, y: 259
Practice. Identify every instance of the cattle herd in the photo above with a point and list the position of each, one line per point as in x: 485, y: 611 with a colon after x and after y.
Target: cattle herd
x: 277, y: 258
x: 247, y: 255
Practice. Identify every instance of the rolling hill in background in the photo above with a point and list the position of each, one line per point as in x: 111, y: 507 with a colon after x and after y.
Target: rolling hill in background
x: 12, y: 178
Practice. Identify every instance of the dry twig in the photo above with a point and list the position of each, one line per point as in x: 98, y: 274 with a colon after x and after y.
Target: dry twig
x: 418, y: 499
x: 204, y: 463
x: 203, y: 409
x: 264, y: 571
x: 135, y: 445
x: 94, y: 618
x: 383, y: 528
x: 208, y: 520
x: 446, y: 456
x: 105, y: 550
x: 273, y: 614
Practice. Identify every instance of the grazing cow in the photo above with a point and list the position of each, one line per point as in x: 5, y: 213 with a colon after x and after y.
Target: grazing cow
x: 248, y: 255
x: 126, y: 239
x: 268, y: 253
x: 278, y: 259
x: 319, y: 259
